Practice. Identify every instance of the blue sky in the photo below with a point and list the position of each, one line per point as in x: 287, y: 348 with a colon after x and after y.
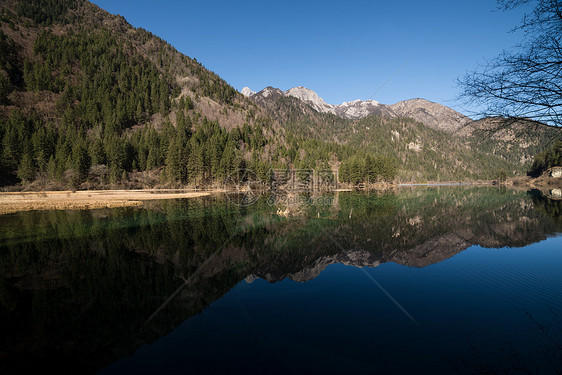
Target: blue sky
x: 341, y: 50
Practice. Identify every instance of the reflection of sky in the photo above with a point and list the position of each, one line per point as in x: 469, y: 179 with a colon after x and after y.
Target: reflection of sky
x: 341, y: 321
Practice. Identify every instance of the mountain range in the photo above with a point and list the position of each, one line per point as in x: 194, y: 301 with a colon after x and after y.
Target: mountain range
x: 430, y: 140
x: 434, y: 115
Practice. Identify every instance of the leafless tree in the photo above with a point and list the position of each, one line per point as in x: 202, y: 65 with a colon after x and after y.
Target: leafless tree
x: 525, y: 82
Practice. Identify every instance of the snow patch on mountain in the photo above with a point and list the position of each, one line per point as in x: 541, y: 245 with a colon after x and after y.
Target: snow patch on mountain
x: 247, y: 92
x: 358, y: 108
x: 352, y: 110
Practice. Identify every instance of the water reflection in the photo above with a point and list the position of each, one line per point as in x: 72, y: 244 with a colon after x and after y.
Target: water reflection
x: 82, y: 289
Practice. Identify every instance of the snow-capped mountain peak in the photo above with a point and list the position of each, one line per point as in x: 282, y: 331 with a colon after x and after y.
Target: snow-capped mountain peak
x: 360, y: 108
x: 247, y: 92
x: 353, y: 110
x: 352, y: 102
x: 434, y: 115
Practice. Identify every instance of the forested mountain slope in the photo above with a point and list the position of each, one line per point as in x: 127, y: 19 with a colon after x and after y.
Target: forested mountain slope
x: 81, y: 88
x: 88, y: 101
x: 428, y: 140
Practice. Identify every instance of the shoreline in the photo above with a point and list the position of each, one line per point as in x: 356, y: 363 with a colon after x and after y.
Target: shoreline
x: 12, y: 202
x: 472, y: 183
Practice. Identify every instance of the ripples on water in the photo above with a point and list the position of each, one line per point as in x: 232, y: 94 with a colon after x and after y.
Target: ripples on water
x: 430, y: 280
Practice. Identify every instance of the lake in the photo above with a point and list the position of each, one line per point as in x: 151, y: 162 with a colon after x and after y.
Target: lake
x: 416, y: 280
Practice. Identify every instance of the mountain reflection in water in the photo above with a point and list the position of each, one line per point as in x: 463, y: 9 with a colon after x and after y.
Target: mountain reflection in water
x: 82, y: 289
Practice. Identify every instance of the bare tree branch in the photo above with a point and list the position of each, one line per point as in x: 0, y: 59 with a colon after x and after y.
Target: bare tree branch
x: 525, y: 82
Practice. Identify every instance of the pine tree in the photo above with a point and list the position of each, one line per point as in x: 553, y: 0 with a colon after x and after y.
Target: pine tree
x: 357, y: 170
x: 26, y: 170
x: 195, y: 162
x: 173, y: 161
x: 81, y: 159
x: 152, y: 159
x: 52, y: 168
x: 188, y: 103
x: 228, y: 160
x: 370, y: 170
x: 97, y: 153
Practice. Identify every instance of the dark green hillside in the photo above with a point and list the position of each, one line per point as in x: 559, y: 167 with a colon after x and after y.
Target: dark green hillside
x: 88, y: 101
x: 551, y: 157
x: 428, y: 154
x: 422, y: 153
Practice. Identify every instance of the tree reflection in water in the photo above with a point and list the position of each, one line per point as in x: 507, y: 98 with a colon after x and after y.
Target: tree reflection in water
x: 78, y: 287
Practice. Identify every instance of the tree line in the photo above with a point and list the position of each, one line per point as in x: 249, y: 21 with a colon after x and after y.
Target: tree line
x: 368, y: 169
x: 181, y: 153
x: 193, y: 151
x: 551, y: 157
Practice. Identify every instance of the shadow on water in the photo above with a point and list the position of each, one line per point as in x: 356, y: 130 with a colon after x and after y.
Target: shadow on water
x: 81, y: 289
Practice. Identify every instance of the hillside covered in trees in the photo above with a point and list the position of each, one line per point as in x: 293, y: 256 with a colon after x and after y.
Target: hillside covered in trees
x: 88, y: 101
x: 480, y: 149
x: 551, y: 157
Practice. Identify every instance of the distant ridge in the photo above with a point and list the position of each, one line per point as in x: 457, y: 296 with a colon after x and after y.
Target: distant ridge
x: 432, y: 142
x: 434, y: 115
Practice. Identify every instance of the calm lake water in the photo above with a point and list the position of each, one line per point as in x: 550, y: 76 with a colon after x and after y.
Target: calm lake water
x: 420, y: 280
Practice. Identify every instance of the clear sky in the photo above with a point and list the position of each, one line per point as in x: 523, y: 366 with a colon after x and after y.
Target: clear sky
x: 343, y: 50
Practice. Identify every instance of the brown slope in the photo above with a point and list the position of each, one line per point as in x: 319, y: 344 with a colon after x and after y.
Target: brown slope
x: 434, y: 115
x: 212, y: 96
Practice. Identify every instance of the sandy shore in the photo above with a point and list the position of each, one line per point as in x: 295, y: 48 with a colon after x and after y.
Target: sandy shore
x: 88, y: 199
